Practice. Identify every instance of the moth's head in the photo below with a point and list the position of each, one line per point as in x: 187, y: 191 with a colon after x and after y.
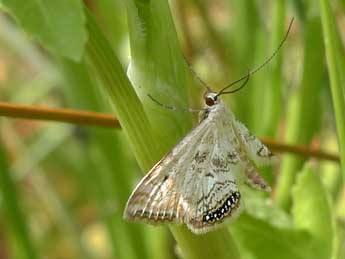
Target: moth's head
x: 211, y: 98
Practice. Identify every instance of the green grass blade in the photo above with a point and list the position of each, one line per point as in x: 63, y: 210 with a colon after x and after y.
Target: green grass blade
x: 272, y: 99
x: 16, y: 224
x: 336, y: 68
x: 217, y: 41
x: 114, y: 26
x: 246, y: 35
x: 157, y: 68
x: 300, y: 7
x: 304, y: 109
x: 125, y: 102
x: 108, y: 185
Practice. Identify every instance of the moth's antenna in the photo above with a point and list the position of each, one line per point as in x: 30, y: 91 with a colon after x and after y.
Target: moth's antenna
x: 268, y: 60
x: 196, y: 75
x: 237, y: 89
x: 173, y: 108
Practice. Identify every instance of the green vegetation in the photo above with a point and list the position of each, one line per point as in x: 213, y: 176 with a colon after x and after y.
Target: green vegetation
x: 63, y: 188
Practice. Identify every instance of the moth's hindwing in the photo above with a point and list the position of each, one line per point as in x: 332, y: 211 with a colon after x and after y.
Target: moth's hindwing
x: 255, y: 150
x: 255, y: 154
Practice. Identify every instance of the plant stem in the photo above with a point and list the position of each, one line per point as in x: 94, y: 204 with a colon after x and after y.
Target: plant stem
x: 86, y: 118
x: 58, y: 114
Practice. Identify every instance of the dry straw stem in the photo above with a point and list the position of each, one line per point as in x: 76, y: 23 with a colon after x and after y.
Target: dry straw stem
x: 58, y: 114
x: 87, y: 118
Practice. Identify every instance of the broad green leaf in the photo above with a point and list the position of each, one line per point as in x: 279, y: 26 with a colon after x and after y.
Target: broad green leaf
x: 259, y: 206
x: 263, y: 240
x: 58, y: 25
x: 265, y: 232
x: 312, y: 212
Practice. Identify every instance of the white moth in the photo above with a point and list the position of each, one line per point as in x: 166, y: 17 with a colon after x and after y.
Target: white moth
x: 196, y: 183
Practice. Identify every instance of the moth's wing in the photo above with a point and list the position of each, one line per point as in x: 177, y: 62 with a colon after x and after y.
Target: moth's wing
x: 257, y: 152
x: 160, y: 196
x: 216, y: 197
x: 253, y: 177
x: 254, y: 152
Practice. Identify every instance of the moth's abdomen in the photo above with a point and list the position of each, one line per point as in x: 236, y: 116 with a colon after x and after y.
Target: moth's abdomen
x: 231, y: 203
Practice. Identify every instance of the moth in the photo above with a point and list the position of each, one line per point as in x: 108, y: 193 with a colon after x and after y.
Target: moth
x: 197, y: 182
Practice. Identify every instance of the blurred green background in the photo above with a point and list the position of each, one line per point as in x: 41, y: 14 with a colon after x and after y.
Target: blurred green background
x: 63, y: 187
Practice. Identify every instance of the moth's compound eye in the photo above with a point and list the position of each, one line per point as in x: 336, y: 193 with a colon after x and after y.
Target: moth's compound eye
x: 209, y: 101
